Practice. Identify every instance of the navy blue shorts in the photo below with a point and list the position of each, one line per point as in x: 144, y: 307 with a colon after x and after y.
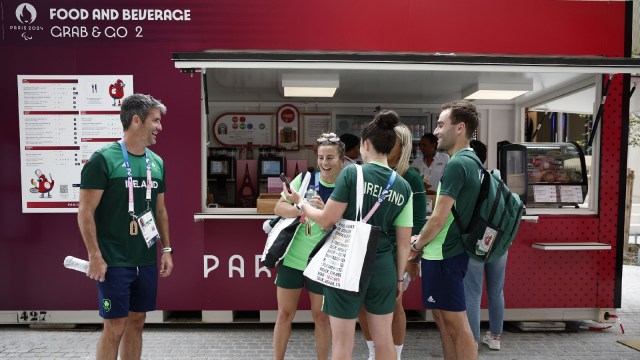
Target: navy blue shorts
x: 443, y: 283
x: 127, y: 289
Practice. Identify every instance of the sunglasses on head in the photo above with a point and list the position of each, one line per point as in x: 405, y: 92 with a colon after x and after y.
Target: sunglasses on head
x: 334, y: 139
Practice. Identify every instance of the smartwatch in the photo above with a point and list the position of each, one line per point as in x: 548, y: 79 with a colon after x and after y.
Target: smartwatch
x: 167, y: 250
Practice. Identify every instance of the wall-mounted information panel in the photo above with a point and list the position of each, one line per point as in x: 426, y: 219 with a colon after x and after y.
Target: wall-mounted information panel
x: 63, y: 120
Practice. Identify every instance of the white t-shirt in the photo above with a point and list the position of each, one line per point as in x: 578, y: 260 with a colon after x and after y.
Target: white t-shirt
x: 432, y: 174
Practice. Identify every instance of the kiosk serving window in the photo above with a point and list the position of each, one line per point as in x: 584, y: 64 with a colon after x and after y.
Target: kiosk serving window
x: 412, y: 84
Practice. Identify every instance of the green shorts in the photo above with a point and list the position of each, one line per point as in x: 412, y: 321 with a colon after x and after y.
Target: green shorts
x: 290, y: 278
x: 378, y: 295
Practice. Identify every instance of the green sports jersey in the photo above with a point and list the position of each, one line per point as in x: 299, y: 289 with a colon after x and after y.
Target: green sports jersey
x: 419, y: 199
x: 106, y: 171
x: 460, y: 181
x: 395, y: 210
x: 302, y: 244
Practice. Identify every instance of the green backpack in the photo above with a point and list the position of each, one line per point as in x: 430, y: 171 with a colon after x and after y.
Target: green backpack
x: 495, y: 219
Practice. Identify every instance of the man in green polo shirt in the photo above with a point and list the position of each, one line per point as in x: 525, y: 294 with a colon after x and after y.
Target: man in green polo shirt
x: 444, y: 260
x: 123, y: 220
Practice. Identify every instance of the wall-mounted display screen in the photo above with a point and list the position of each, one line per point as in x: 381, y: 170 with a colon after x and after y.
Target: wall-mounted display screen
x: 219, y: 167
x: 271, y: 166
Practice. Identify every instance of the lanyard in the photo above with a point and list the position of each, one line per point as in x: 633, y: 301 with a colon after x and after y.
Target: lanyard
x: 383, y: 195
x: 130, y: 178
x: 317, y: 185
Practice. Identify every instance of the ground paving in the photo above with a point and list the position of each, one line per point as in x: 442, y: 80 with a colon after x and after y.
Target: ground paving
x: 253, y: 341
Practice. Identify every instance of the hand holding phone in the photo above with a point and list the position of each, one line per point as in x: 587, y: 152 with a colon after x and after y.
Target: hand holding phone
x: 284, y: 179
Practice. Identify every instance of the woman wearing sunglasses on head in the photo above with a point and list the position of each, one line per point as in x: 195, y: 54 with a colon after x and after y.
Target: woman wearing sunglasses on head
x: 393, y: 214
x: 330, y: 155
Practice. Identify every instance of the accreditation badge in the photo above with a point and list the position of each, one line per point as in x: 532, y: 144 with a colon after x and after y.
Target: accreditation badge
x: 148, y: 228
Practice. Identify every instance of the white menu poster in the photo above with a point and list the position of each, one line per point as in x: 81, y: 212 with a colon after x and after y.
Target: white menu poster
x: 571, y: 194
x: 545, y: 194
x: 314, y: 125
x: 63, y: 120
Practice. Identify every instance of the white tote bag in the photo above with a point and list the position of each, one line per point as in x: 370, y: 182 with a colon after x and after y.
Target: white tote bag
x: 346, y: 255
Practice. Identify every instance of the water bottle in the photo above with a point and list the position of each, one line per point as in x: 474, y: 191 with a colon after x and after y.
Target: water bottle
x: 74, y: 263
x: 310, y: 194
x: 406, y: 279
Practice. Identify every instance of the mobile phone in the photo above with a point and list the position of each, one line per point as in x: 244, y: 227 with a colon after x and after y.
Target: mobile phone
x: 284, y: 179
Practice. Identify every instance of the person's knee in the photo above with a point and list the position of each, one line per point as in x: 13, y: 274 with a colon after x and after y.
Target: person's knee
x: 320, y: 319
x: 136, y: 320
x: 286, y: 315
x: 114, y: 327
x: 455, y: 324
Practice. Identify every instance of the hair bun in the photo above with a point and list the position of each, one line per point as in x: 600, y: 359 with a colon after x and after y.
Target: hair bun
x: 387, y: 119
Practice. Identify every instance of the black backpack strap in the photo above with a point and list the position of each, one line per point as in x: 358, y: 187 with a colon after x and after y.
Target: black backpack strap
x: 496, y: 202
x: 456, y: 218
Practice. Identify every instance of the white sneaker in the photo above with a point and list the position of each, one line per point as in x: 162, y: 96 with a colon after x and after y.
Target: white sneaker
x: 492, y: 340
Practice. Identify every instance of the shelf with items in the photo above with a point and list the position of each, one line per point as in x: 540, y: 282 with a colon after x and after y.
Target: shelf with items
x: 353, y: 124
x: 544, y: 174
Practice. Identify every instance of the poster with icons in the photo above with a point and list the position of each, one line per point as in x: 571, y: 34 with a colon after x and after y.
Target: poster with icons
x: 241, y: 128
x: 288, y: 127
x: 63, y: 120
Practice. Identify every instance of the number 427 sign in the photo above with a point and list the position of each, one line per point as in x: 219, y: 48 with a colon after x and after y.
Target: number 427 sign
x: 33, y: 316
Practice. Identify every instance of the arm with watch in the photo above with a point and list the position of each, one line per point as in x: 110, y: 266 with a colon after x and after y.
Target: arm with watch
x: 325, y: 218
x: 162, y: 219
x: 432, y: 228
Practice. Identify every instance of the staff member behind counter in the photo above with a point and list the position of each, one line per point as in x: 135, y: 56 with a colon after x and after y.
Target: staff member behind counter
x: 431, y: 164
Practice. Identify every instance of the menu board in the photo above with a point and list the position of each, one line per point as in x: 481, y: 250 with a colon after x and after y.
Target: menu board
x: 242, y: 128
x: 314, y: 125
x: 571, y: 194
x: 63, y: 120
x: 545, y: 193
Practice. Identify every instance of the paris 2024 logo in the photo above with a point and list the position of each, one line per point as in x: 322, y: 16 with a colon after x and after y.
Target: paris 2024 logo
x: 26, y: 15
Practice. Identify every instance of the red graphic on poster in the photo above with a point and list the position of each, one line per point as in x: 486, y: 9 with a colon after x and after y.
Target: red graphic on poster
x: 288, y: 127
x: 287, y: 115
x: 116, y: 91
x: 41, y: 184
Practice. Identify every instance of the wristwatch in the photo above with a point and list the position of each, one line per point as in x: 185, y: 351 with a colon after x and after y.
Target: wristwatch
x: 414, y: 248
x: 168, y: 249
x: 299, y: 205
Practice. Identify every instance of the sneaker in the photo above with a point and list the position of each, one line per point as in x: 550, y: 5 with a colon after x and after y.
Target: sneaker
x: 492, y: 340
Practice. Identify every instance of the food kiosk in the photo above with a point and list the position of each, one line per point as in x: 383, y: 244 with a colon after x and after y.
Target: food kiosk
x: 194, y: 58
